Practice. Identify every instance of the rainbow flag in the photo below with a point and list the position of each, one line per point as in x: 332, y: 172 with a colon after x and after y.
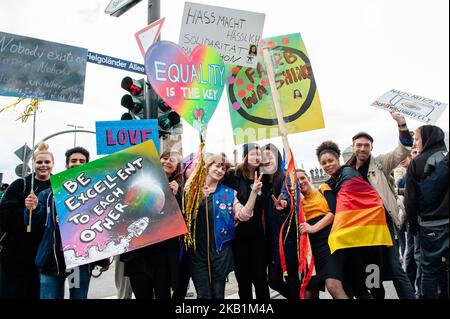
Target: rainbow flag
x: 360, y: 218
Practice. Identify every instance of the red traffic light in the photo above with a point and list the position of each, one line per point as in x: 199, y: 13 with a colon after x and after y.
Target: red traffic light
x: 131, y: 86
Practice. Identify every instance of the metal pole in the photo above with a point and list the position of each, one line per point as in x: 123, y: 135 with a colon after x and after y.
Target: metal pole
x: 24, y: 167
x: 76, y: 127
x: 151, y: 107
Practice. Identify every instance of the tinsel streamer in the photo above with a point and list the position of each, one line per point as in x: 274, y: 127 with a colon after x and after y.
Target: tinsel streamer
x: 193, y: 196
x: 12, y: 105
x: 30, y: 109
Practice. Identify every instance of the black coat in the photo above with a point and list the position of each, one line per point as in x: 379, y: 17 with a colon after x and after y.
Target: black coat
x: 433, y: 141
x: 19, y: 247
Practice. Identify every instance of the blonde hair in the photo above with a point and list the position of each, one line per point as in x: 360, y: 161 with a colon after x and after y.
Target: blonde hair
x: 43, y: 149
x: 220, y: 158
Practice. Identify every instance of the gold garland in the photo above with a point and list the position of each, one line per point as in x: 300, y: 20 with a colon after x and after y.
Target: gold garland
x: 29, y: 109
x: 193, y: 196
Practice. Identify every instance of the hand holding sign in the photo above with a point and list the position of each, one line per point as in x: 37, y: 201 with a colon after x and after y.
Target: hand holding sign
x: 190, y: 85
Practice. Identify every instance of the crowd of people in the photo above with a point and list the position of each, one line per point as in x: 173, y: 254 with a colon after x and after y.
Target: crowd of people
x: 376, y: 218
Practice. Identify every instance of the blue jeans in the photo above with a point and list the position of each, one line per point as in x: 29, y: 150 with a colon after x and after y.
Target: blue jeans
x: 52, y: 286
x: 434, y: 246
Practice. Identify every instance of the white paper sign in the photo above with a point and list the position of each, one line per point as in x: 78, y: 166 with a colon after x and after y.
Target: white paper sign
x: 235, y: 34
x: 411, y: 105
x: 149, y: 35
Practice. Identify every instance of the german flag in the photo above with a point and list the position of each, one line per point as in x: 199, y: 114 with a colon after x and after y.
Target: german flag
x: 360, y: 218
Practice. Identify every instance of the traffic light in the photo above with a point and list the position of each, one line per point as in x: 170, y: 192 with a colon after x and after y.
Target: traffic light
x: 167, y: 118
x: 135, y: 102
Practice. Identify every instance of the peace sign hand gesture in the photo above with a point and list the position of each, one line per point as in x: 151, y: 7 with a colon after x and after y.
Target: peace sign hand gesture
x: 280, y: 204
x: 257, y: 184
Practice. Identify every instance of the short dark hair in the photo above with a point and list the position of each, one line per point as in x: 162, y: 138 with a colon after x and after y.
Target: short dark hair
x: 363, y: 134
x: 328, y: 147
x: 77, y: 149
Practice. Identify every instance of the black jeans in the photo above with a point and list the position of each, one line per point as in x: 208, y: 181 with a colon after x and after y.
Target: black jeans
x: 205, y: 289
x: 289, y: 289
x: 146, y: 287
x: 250, y: 267
x: 185, y: 276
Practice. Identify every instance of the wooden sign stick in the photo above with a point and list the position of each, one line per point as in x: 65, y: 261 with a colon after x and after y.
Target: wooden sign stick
x: 277, y: 103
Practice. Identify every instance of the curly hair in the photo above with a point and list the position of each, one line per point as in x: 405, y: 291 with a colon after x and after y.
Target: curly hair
x: 328, y: 147
x: 77, y: 149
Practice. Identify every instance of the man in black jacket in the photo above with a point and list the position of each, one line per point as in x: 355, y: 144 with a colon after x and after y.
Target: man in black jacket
x: 427, y: 207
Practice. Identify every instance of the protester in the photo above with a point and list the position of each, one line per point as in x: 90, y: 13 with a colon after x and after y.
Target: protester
x: 359, y: 232
x: 212, y: 256
x: 183, y: 258
x: 376, y: 171
x: 412, y: 254
x: 249, y: 246
x: 154, y: 270
x: 50, y: 257
x: 19, y: 278
x: 399, y: 176
x: 427, y: 206
x: 277, y: 217
x: 318, y: 225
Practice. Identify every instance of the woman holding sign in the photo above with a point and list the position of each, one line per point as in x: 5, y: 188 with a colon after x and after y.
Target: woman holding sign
x: 154, y: 270
x: 19, y: 278
x: 214, y: 228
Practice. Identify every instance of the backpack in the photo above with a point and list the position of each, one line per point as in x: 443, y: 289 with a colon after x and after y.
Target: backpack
x: 434, y: 185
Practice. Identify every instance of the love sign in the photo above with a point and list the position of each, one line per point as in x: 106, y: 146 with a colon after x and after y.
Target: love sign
x: 191, y: 85
x: 114, y: 136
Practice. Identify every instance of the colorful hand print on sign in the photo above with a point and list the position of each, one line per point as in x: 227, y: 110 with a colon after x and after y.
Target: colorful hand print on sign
x: 115, y: 204
x: 190, y: 85
x: 250, y: 99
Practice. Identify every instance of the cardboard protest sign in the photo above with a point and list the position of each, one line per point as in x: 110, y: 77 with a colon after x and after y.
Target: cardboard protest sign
x: 41, y: 69
x: 114, y: 136
x: 149, y: 35
x: 234, y: 33
x: 115, y: 204
x: 190, y: 85
x: 250, y: 97
x: 411, y: 105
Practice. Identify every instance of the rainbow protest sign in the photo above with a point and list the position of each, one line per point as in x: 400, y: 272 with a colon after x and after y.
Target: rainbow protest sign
x: 190, y: 85
x: 250, y: 97
x: 115, y: 204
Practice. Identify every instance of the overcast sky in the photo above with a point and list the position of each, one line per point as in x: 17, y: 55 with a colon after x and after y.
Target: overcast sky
x: 358, y: 49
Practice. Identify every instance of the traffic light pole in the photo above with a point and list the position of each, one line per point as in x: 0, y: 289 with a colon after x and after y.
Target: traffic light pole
x: 151, y: 107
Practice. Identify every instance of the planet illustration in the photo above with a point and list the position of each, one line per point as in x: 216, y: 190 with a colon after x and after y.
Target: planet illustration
x: 143, y: 198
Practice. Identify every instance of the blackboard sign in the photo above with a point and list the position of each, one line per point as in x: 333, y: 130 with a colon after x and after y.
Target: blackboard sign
x: 41, y: 69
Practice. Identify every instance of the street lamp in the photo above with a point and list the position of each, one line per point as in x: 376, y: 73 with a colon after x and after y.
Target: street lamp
x: 75, y: 137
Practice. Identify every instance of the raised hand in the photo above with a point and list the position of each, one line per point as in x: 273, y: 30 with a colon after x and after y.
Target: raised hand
x: 399, y: 118
x: 31, y: 202
x: 257, y: 184
x: 280, y: 204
